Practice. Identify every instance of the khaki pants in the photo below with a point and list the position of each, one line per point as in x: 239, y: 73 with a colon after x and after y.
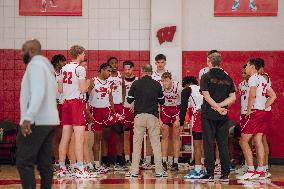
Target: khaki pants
x: 141, y: 123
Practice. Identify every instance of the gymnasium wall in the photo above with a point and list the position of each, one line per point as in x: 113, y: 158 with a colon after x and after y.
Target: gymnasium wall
x: 122, y: 28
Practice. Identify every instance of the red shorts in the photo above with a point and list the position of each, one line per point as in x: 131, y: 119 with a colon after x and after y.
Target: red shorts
x: 103, y: 117
x: 59, y: 108
x: 267, y: 123
x: 119, y: 109
x: 254, y: 123
x: 129, y: 118
x: 74, y: 112
x: 196, y: 124
x: 169, y: 114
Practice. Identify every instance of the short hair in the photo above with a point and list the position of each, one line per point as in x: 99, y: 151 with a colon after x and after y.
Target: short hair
x: 244, y: 66
x: 188, y: 80
x: 112, y: 58
x: 212, y: 51
x: 76, y: 50
x: 166, y: 75
x: 257, y: 64
x: 57, y: 58
x: 160, y: 57
x: 261, y: 62
x: 104, y: 66
x: 147, y: 68
x: 128, y: 63
x: 215, y: 59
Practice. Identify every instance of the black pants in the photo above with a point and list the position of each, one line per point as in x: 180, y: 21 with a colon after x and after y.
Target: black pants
x: 36, y: 148
x: 216, y: 129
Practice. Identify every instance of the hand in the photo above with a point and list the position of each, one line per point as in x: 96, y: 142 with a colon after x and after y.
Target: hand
x: 176, y: 124
x: 181, y: 128
x: 26, y: 128
x: 248, y: 113
x: 223, y: 111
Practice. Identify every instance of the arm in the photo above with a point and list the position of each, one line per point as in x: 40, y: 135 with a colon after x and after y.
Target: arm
x: 111, y: 100
x: 37, y: 91
x: 185, y: 94
x: 251, y: 99
x: 91, y: 86
x: 60, y: 83
x: 271, y: 98
x: 210, y: 101
x: 228, y: 101
x: 130, y: 96
x: 123, y: 90
x: 82, y: 79
x: 161, y: 98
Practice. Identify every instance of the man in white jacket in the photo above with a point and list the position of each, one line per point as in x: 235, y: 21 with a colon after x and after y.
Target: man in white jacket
x: 39, y: 116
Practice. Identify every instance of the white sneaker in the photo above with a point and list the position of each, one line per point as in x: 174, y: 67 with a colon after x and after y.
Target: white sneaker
x: 63, y: 173
x: 241, y: 170
x: 147, y: 166
x: 102, y: 169
x: 248, y: 175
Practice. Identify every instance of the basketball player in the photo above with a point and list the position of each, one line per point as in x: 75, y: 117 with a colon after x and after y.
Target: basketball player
x: 118, y: 94
x: 268, y: 121
x: 102, y: 109
x: 58, y: 61
x: 129, y: 78
x: 253, y: 125
x: 252, y: 5
x: 72, y: 84
x: 169, y: 115
x: 191, y: 97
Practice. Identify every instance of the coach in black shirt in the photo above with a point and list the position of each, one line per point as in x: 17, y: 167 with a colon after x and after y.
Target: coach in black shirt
x: 219, y: 92
x: 147, y: 94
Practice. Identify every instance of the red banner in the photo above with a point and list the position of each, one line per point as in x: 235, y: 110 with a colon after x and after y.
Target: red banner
x: 245, y: 7
x: 50, y: 7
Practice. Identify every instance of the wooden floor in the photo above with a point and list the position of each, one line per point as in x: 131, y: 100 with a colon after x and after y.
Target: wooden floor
x: 9, y: 179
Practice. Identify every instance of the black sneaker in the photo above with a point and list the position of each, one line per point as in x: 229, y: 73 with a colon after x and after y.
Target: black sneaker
x: 174, y: 167
x: 165, y: 165
x: 224, y: 178
x: 207, y: 178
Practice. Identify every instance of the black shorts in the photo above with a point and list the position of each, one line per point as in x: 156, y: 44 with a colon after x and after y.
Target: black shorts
x: 197, y: 135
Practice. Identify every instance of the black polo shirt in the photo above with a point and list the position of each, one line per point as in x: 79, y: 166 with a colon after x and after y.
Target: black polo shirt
x: 219, y: 85
x: 147, y: 94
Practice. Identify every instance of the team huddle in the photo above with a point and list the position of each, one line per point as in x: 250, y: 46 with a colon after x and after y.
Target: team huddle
x: 99, y: 105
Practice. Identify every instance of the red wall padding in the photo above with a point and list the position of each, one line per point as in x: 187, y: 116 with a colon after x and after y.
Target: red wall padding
x: 232, y: 62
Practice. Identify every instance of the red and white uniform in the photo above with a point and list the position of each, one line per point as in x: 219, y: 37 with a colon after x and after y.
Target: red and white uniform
x: 100, y: 105
x: 116, y: 83
x: 74, y: 107
x: 268, y: 116
x: 254, y: 123
x: 195, y: 101
x: 170, y: 109
x: 243, y: 89
x: 129, y: 116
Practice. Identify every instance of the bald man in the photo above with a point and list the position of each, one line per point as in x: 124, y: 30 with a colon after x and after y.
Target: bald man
x: 39, y: 117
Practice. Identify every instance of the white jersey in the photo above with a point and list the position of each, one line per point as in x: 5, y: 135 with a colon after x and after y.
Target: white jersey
x: 127, y: 88
x: 243, y: 88
x: 262, y: 86
x: 59, y: 96
x: 172, y: 96
x: 116, y: 83
x: 203, y: 71
x: 158, y: 76
x: 195, y: 99
x: 269, y: 82
x: 70, y: 75
x: 99, y: 97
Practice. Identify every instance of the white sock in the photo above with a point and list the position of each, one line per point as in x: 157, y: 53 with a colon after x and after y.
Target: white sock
x: 251, y: 168
x: 266, y: 168
x: 148, y: 159
x: 198, y: 168
x: 62, y: 165
x: 80, y: 165
x: 202, y: 160
x: 164, y: 159
x: 260, y: 169
x: 127, y: 157
x: 170, y: 159
x: 97, y: 164
x: 175, y: 160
